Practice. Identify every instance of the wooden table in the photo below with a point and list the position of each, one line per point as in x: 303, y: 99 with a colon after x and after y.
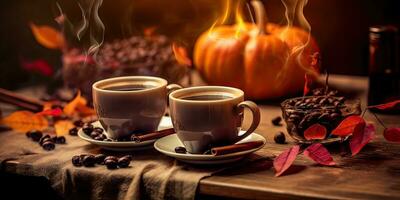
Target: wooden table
x: 372, y: 174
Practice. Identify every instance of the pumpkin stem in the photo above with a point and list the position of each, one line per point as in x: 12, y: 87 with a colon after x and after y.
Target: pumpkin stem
x: 261, y: 17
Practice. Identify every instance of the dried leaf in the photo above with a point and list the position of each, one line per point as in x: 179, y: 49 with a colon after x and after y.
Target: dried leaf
x: 70, y: 108
x: 48, y: 36
x: 347, y: 126
x: 24, y: 121
x: 62, y: 127
x: 315, y: 132
x: 285, y: 160
x: 51, y: 112
x: 40, y: 66
x: 181, y: 55
x: 387, y: 106
x: 307, y: 82
x: 319, y: 154
x: 361, y: 136
x: 85, y: 110
x: 392, y: 134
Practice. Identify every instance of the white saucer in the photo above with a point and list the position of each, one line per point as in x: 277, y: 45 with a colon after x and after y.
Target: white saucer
x: 167, y: 144
x: 124, y: 145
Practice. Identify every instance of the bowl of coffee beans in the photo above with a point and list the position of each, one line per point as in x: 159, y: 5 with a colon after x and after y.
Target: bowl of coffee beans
x: 327, y: 110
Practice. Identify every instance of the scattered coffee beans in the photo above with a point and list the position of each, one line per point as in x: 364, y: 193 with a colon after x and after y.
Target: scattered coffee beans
x: 280, y: 138
x: 111, y: 162
x: 45, y: 141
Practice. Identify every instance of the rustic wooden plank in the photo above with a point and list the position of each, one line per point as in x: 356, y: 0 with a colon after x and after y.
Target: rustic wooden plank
x: 372, y: 174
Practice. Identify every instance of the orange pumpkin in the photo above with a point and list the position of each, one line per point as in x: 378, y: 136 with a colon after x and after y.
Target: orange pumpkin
x: 262, y: 60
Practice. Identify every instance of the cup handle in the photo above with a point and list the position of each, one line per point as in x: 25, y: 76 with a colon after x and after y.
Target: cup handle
x: 172, y: 87
x: 256, y: 117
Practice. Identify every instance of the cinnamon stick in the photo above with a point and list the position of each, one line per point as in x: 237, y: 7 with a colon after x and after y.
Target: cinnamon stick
x: 13, y: 98
x: 216, y: 151
x: 154, y: 135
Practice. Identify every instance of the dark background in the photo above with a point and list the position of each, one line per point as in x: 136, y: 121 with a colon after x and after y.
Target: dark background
x: 339, y: 26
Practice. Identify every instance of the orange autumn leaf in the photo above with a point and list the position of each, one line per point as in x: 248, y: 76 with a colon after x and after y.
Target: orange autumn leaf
x: 85, y: 110
x: 48, y: 36
x: 79, y: 107
x: 23, y: 121
x: 181, y: 55
x: 69, y: 109
x: 62, y: 127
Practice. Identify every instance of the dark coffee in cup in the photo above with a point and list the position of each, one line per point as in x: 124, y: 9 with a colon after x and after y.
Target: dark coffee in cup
x: 128, y: 87
x: 209, y: 116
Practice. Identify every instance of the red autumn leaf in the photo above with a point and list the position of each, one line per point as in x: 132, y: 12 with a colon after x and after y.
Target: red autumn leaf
x: 387, y: 106
x: 307, y: 81
x: 361, y: 136
x: 392, y: 134
x: 40, y: 66
x: 285, y: 160
x: 347, y: 126
x: 51, y: 112
x: 315, y: 132
x: 319, y: 154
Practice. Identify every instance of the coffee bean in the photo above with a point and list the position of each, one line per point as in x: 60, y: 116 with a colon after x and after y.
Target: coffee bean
x: 28, y: 134
x: 35, y: 135
x: 88, y: 161
x: 294, y: 118
x: 42, y: 139
x: 99, y: 158
x: 76, y: 161
x: 101, y: 137
x: 323, y: 101
x: 98, y: 130
x: 280, y: 138
x: 180, y: 150
x: 48, y: 145
x: 298, y: 103
x: 78, y: 123
x: 60, y: 140
x: 73, y: 131
x: 98, y: 138
x: 111, y: 164
x: 94, y: 134
x: 334, y: 116
x: 276, y: 121
x: 341, y: 99
x: 324, y: 117
x: 87, y: 128
x: 124, y: 161
x: 111, y: 158
x: 336, y: 103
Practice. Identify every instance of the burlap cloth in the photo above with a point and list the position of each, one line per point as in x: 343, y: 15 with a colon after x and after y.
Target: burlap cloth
x: 151, y: 175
